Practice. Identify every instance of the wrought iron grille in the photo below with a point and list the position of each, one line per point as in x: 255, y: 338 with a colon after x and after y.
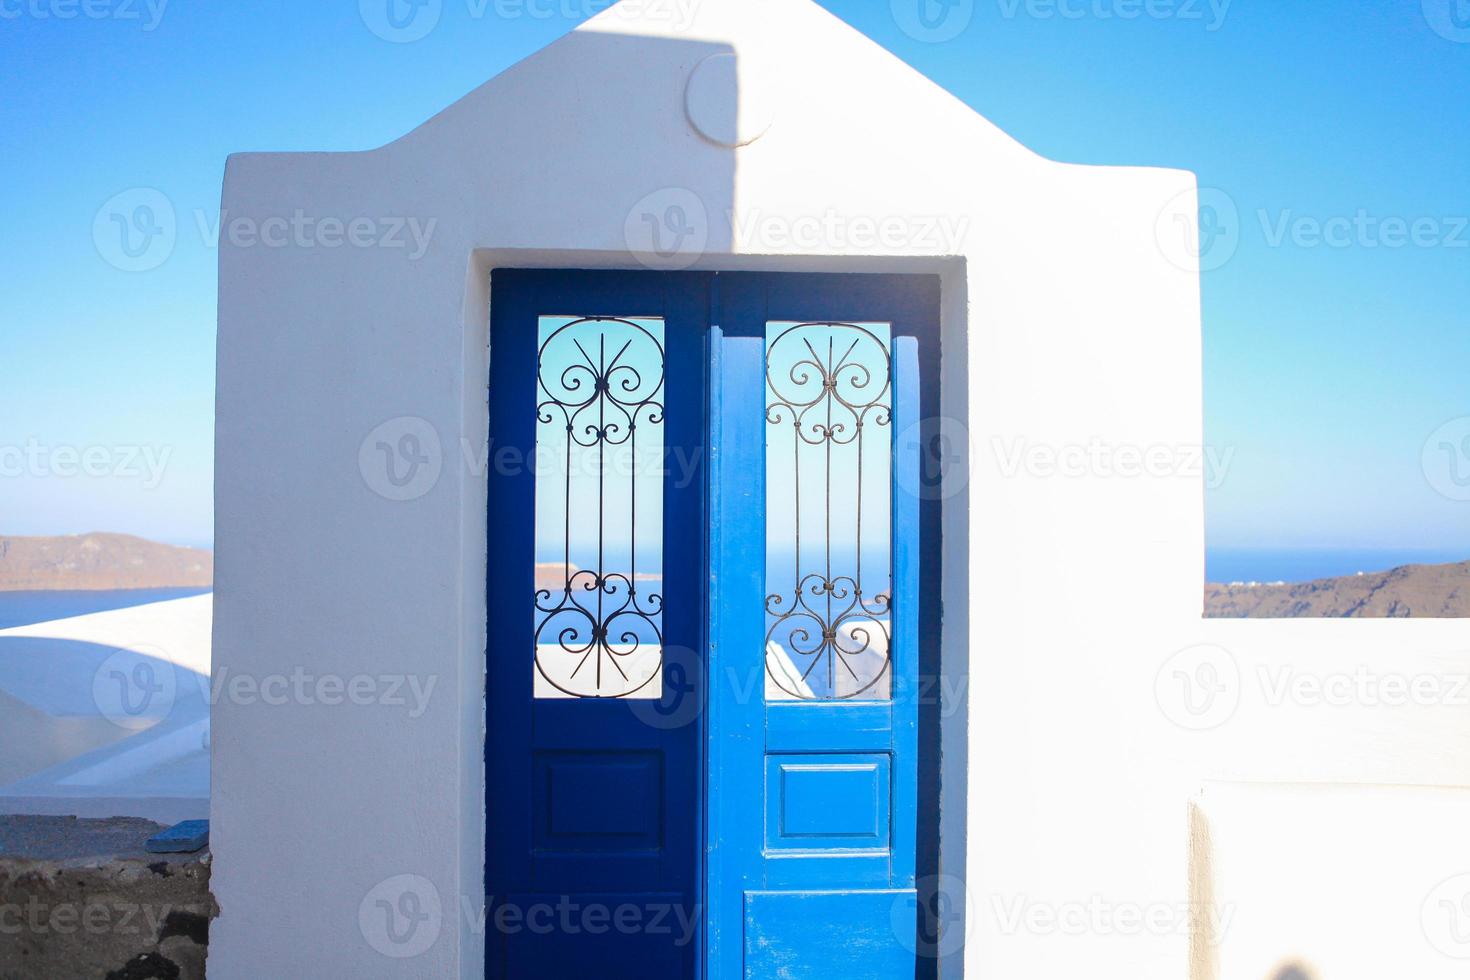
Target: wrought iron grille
x: 829, y: 397
x: 600, y: 388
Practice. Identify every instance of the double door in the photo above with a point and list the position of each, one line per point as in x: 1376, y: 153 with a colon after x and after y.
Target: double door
x: 706, y: 624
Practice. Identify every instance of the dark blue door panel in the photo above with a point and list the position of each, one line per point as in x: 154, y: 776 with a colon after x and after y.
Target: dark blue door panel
x: 593, y: 802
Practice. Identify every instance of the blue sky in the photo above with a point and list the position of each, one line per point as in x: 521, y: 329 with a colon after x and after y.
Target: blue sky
x: 1327, y: 368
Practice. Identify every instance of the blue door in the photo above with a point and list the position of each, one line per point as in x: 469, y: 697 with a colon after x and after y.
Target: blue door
x: 817, y: 627
x: 706, y: 627
x: 596, y: 609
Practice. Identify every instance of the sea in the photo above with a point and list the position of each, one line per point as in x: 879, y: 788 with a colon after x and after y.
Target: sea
x: 1222, y: 565
x: 1225, y: 565
x: 25, y: 608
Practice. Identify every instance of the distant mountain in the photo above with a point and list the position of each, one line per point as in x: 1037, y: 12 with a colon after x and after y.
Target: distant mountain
x: 100, y: 561
x: 1418, y: 591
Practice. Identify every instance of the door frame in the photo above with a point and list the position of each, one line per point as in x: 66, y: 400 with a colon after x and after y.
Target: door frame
x: 943, y: 741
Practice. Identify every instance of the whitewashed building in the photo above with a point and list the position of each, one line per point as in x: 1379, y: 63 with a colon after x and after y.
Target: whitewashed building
x: 1094, y: 780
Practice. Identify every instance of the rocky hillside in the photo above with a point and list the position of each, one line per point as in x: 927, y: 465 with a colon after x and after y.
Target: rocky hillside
x: 100, y: 561
x: 1424, y: 591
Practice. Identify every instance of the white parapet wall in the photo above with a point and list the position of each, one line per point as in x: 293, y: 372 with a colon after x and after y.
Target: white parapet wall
x: 1308, y: 882
x: 1231, y: 737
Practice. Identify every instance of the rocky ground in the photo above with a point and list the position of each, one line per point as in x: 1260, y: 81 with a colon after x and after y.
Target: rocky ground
x: 82, y: 898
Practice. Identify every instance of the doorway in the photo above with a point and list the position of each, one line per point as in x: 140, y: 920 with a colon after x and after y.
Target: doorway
x: 710, y: 568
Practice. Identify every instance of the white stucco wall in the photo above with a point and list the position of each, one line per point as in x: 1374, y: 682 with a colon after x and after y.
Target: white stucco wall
x: 1069, y: 322
x: 1356, y: 881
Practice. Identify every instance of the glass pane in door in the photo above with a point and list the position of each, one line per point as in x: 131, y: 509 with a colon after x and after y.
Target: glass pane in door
x: 829, y: 555
x: 599, y: 507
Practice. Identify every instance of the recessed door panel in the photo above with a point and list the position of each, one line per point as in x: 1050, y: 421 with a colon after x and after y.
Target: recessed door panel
x: 599, y: 801
x: 827, y: 802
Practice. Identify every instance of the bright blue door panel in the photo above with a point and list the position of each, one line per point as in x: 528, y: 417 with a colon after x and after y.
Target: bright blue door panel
x: 814, y: 846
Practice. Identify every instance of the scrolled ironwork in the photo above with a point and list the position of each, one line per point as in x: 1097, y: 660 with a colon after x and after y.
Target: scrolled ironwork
x: 590, y: 385
x: 830, y: 399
